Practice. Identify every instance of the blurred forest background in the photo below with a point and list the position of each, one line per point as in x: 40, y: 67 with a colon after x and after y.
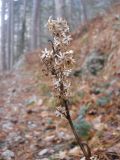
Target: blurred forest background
x: 29, y: 128
x: 22, y: 25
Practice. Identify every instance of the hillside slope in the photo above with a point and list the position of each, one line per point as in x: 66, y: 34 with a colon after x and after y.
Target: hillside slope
x: 96, y: 80
x: 103, y: 36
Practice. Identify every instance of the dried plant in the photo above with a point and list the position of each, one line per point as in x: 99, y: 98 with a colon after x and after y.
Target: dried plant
x: 58, y: 63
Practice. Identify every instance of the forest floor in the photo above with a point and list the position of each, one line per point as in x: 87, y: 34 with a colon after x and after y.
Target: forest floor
x: 29, y: 127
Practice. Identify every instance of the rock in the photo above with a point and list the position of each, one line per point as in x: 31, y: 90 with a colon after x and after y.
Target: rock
x: 117, y: 16
x: 40, y: 102
x: 1, y: 110
x: 74, y: 151
x: 8, y: 155
x: 31, y: 100
x: 95, y: 62
x: 7, y: 126
x: 62, y: 154
x: 33, y: 147
x: 50, y: 138
x: 98, y: 125
x: 63, y: 136
x: 44, y: 114
x: 14, y: 138
x: 43, y: 152
x: 31, y: 125
x: 83, y: 158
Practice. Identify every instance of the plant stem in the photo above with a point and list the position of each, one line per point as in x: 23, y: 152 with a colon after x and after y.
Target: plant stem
x: 84, y: 147
x: 86, y: 151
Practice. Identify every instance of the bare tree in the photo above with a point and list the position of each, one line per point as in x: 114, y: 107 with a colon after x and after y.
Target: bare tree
x: 35, y: 24
x: 59, y: 7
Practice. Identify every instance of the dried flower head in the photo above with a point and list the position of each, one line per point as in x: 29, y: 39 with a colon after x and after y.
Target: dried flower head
x: 59, y: 60
x: 60, y: 31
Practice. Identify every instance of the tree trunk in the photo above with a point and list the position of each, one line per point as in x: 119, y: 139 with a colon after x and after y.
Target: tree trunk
x: 23, y: 29
x: 69, y: 11
x: 35, y: 24
x: 59, y: 7
x: 10, y: 35
x: 39, y: 21
x: 84, y: 12
x: 3, y: 35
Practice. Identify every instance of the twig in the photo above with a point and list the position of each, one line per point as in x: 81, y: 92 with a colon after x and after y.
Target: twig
x: 52, y: 45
